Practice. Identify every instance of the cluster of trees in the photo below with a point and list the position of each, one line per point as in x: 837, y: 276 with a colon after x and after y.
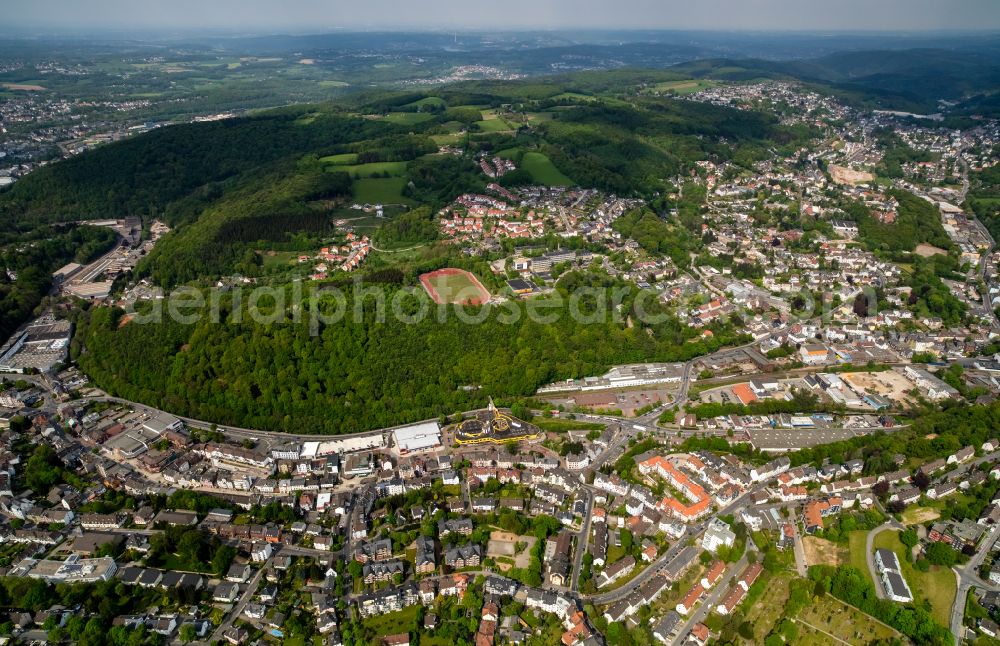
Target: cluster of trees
x: 190, y: 549
x: 917, y: 221
x: 840, y: 528
x: 984, y: 198
x: 266, y: 207
x: 418, y: 225
x: 855, y: 588
x: 364, y: 372
x: 100, y: 603
x: 144, y: 175
x: 43, y: 470
x: 33, y: 257
x: 930, y: 434
x: 897, y: 153
x: 802, y: 401
x: 930, y: 297
x: 657, y: 236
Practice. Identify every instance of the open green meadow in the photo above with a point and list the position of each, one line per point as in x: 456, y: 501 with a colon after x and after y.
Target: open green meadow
x: 380, y: 190
x: 493, y: 125
x: 342, y: 159
x: 408, y: 118
x: 374, y: 169
x: 543, y: 170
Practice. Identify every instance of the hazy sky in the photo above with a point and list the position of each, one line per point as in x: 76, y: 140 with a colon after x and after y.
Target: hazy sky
x: 316, y: 15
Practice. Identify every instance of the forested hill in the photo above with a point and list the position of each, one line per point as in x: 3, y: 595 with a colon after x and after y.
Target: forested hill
x: 227, y: 186
x: 912, y: 80
x: 143, y: 175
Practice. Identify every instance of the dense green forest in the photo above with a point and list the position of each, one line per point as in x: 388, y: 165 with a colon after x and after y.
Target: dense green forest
x: 984, y: 198
x: 144, y: 175
x: 365, y: 373
x: 917, y: 221
x: 32, y: 257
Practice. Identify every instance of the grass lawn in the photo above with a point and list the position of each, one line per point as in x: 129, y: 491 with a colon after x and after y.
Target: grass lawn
x: 278, y: 258
x: 448, y: 139
x: 937, y: 585
x: 174, y: 562
x: 343, y: 158
x: 543, y: 170
x: 844, y: 622
x: 396, y: 169
x: 380, y: 190
x: 408, y: 118
x: 402, y: 621
x: 435, y: 640
x: 493, y: 125
x: 858, y: 544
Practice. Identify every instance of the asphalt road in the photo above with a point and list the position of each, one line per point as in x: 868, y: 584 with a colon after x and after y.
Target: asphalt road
x: 241, y: 604
x: 712, y: 600
x: 968, y: 578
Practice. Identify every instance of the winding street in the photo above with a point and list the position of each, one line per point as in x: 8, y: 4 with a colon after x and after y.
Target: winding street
x: 968, y: 578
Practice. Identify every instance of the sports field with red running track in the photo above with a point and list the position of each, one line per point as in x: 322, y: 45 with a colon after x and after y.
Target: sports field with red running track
x: 455, y: 286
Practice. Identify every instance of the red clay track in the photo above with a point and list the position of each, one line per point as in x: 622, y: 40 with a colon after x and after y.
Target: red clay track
x: 430, y: 279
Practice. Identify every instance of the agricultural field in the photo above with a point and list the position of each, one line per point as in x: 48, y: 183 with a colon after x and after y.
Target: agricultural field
x: 937, y: 585
x: 829, y: 620
x: 543, y: 170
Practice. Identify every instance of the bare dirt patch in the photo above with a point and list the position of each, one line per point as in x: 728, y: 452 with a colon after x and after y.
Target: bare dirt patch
x: 820, y: 551
x: 887, y: 383
x: 844, y: 175
x: 504, y: 545
x: 920, y: 515
x: 927, y: 250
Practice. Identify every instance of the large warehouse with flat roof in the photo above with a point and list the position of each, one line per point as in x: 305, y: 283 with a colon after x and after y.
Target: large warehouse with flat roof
x: 418, y: 437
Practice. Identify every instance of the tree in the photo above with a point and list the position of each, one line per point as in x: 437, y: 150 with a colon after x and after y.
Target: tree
x: 941, y: 554
x: 188, y: 633
x: 908, y: 538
